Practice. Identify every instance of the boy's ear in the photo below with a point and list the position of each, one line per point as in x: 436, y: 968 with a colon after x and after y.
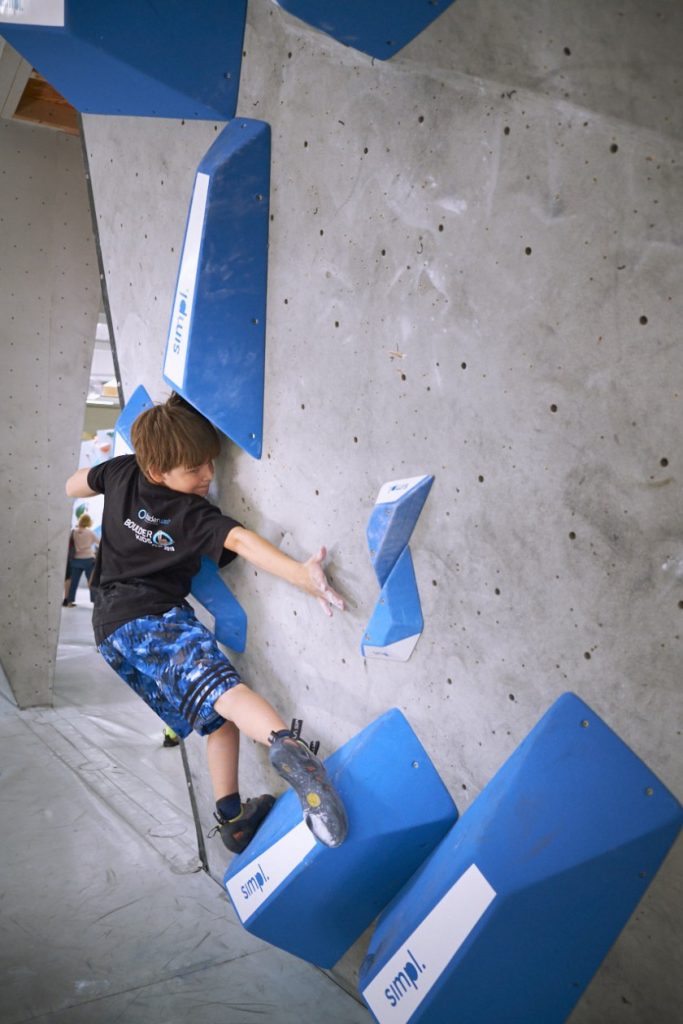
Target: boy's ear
x: 154, y: 475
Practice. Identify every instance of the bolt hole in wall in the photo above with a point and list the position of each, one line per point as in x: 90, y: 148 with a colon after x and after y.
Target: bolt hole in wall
x: 102, y: 408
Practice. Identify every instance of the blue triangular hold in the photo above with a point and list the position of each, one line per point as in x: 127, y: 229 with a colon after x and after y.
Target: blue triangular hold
x: 137, y: 403
x: 396, y: 622
x: 215, y: 353
x: 379, y: 27
x: 393, y: 520
x: 231, y: 619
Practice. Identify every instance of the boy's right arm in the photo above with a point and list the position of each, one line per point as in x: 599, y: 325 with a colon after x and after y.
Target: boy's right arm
x: 309, y: 575
x: 77, y: 484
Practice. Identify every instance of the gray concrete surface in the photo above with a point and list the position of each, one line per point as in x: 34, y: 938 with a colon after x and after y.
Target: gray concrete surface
x: 106, y: 916
x: 473, y: 272
x: 50, y: 296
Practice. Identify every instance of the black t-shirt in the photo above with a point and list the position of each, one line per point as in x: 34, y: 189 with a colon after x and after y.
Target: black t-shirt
x: 153, y: 540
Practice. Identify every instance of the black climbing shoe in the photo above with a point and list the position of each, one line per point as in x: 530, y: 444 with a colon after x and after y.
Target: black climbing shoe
x: 238, y: 832
x: 321, y: 805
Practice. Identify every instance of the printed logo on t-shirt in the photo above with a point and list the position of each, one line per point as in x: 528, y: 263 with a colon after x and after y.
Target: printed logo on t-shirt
x: 158, y: 538
x: 161, y: 539
x: 147, y: 517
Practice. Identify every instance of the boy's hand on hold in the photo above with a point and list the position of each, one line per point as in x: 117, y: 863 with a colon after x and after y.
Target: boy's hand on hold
x: 318, y: 586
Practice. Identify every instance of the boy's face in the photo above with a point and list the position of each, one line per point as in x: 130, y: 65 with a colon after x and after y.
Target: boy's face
x: 188, y: 481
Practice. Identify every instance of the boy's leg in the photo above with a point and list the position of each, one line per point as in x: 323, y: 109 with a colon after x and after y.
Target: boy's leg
x: 251, y: 713
x: 322, y: 808
x: 222, y: 752
x: 173, y: 662
x: 237, y: 822
x: 196, y: 679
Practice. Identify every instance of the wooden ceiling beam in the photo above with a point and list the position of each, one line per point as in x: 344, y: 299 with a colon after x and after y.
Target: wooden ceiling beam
x: 41, y: 104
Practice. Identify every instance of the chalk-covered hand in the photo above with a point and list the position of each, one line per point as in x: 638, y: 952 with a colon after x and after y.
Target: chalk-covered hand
x: 316, y: 583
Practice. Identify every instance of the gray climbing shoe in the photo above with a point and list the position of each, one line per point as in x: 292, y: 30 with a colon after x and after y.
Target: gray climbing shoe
x: 321, y: 805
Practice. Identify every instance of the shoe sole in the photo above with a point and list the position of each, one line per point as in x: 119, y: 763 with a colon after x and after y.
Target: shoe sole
x: 322, y: 808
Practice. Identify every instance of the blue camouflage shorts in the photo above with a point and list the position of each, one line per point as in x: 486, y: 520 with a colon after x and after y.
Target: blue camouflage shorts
x: 174, y: 663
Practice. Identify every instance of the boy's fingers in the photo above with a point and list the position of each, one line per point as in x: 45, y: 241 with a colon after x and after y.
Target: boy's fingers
x: 318, y: 558
x: 334, y: 598
x: 327, y: 596
x: 331, y: 600
x: 330, y: 594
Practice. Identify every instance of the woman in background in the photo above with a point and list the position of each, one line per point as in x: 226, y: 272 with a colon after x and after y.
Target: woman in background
x: 83, y: 559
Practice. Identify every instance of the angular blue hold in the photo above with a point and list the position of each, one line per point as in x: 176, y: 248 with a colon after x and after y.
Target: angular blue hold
x: 171, y: 59
x: 396, y: 622
x: 512, y: 915
x: 377, y: 27
x: 393, y: 520
x: 137, y: 403
x: 215, y: 353
x: 231, y: 619
x: 315, y: 902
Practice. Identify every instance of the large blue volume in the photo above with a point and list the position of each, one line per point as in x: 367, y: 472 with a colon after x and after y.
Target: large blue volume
x: 314, y: 901
x: 230, y: 626
x: 171, y: 59
x: 215, y: 353
x: 513, y: 913
x: 377, y: 27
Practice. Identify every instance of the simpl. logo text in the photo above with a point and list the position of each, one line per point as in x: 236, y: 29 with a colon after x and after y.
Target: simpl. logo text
x: 181, y: 317
x: 254, y: 884
x: 406, y: 979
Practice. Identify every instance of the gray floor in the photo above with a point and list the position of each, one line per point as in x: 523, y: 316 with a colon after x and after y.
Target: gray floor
x: 106, y: 915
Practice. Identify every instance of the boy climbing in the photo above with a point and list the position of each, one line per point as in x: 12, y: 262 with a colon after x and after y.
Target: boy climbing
x: 156, y: 526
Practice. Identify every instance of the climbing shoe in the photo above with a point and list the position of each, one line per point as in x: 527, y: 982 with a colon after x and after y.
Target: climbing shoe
x: 238, y: 832
x: 171, y: 738
x: 321, y: 805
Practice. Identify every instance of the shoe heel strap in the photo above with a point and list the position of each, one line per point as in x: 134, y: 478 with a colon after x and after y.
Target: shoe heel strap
x: 295, y: 729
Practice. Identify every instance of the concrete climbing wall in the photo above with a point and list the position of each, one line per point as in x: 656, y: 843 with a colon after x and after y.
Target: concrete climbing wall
x: 474, y: 267
x: 50, y: 296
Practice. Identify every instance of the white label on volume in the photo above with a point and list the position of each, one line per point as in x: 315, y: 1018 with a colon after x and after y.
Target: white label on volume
x: 181, y: 320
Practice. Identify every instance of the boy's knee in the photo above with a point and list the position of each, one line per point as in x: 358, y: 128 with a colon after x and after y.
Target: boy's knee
x: 223, y: 728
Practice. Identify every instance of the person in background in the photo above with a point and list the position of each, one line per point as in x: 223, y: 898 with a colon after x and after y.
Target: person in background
x: 67, y: 573
x: 85, y: 544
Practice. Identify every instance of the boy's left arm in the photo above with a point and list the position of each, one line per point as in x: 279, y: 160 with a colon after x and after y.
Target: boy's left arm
x: 308, y: 576
x: 77, y: 484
